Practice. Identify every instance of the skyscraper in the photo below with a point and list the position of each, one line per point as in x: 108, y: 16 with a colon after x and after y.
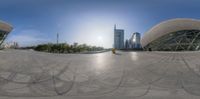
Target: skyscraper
x: 135, y: 40
x: 126, y: 44
x: 118, y: 38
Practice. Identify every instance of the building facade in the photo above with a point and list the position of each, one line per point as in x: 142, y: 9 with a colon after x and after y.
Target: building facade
x: 127, y: 44
x: 10, y: 45
x: 173, y: 35
x: 135, y: 41
x: 5, y: 29
x: 118, y: 38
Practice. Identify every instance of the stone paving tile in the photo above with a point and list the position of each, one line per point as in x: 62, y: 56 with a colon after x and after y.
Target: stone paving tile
x: 126, y: 75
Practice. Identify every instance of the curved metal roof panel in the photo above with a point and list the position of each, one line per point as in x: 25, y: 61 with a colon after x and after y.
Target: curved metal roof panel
x: 5, y: 27
x: 169, y: 26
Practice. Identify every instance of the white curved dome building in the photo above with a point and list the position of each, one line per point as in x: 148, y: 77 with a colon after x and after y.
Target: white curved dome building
x: 5, y: 29
x: 173, y: 35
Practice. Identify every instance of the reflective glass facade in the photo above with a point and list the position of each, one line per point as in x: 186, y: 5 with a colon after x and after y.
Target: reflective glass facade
x: 184, y: 40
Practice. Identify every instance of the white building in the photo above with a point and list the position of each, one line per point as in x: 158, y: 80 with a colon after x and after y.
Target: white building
x: 12, y: 45
x: 180, y: 34
x: 5, y: 28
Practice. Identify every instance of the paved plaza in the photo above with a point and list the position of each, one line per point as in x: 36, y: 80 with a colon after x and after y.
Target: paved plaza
x: 126, y: 75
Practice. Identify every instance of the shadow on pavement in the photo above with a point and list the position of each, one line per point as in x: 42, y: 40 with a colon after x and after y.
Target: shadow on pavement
x: 118, y: 54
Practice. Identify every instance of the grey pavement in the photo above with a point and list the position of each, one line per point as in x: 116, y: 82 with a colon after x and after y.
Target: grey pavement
x: 125, y: 75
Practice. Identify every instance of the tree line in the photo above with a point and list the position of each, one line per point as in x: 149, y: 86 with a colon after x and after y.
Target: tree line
x: 66, y: 48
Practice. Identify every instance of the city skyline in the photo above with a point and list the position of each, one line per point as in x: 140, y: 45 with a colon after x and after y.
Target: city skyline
x: 88, y: 21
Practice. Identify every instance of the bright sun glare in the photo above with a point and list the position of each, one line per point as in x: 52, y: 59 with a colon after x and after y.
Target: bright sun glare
x: 100, y: 38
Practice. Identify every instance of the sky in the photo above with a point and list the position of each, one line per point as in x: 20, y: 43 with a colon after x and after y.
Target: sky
x: 88, y: 21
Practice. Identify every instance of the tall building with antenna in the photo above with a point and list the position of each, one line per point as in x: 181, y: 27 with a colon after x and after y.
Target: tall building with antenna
x: 57, y: 38
x: 118, y: 38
